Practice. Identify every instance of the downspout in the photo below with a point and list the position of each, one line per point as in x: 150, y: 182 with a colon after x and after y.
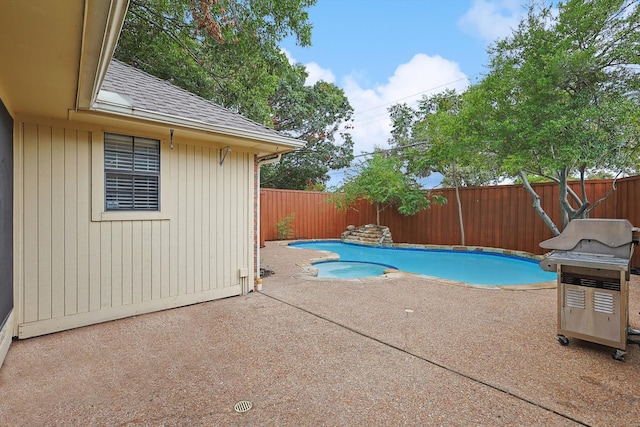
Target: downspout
x: 263, y: 160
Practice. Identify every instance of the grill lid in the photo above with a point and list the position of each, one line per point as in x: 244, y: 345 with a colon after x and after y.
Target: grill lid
x: 592, y: 243
x: 609, y: 232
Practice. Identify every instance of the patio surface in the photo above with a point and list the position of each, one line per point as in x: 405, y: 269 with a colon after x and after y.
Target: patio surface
x: 402, y: 350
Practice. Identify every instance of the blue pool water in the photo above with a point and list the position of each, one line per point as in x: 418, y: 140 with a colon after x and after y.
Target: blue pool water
x: 479, y: 268
x: 349, y: 269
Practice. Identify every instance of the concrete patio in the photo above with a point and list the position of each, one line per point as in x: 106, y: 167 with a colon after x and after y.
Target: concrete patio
x: 401, y: 350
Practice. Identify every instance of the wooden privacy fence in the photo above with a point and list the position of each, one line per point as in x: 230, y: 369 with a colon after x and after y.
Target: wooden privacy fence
x: 496, y: 216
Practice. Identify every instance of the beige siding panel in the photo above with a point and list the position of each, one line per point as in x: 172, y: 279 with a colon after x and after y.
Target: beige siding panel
x: 227, y: 218
x: 182, y: 219
x: 77, y: 271
x: 105, y: 264
x: 217, y: 253
x: 146, y: 260
x: 83, y: 211
x: 30, y: 221
x: 239, y: 227
x: 234, y: 214
x: 127, y: 262
x: 136, y: 257
x: 174, y: 247
x: 94, y: 266
x: 116, y: 263
x: 57, y: 222
x: 18, y: 235
x: 244, y: 206
x: 70, y: 222
x: 197, y: 220
x: 44, y: 222
x: 190, y: 215
x: 155, y: 238
x: 165, y: 259
x: 206, y: 219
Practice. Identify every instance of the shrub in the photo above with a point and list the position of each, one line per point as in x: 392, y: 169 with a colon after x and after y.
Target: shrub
x: 284, y: 227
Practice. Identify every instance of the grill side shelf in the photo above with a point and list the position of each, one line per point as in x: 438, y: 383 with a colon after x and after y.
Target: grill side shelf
x: 580, y: 259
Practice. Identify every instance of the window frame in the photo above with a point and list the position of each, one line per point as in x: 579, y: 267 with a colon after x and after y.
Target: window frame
x: 99, y: 210
x: 133, y: 160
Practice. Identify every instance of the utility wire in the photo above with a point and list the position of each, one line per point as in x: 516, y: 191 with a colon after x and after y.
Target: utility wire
x: 416, y: 94
x: 392, y: 148
x: 349, y: 168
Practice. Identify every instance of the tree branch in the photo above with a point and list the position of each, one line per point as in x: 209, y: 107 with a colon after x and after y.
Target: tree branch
x: 537, y: 205
x: 171, y: 36
x: 583, y: 187
x: 606, y: 196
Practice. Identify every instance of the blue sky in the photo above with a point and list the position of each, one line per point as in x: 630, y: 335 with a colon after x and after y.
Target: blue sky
x: 384, y: 52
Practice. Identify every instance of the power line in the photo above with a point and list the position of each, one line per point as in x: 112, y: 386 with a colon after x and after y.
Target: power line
x: 392, y: 148
x: 416, y: 94
x: 374, y: 118
x: 348, y: 168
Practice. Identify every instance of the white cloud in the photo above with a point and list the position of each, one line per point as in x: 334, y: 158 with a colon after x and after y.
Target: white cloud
x: 422, y: 75
x: 491, y: 19
x: 317, y: 73
x: 288, y: 55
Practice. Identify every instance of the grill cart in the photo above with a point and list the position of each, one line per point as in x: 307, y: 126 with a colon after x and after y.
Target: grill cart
x: 592, y: 259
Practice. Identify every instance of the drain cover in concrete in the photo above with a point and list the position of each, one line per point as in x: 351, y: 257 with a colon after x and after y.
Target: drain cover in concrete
x: 243, y: 406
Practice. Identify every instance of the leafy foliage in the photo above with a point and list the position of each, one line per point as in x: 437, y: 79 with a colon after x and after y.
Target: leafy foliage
x: 228, y: 51
x: 314, y: 114
x: 561, y: 97
x: 223, y: 50
x: 435, y: 138
x: 381, y: 181
x: 561, y: 100
x: 284, y: 227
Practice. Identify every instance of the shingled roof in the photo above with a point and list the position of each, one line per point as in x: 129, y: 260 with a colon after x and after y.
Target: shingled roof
x: 151, y: 94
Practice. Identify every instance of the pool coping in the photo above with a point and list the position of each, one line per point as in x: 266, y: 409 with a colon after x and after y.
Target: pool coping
x: 309, y: 272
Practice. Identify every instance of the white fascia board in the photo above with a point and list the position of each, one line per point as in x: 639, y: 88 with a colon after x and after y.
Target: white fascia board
x: 113, y: 103
x: 103, y: 21
x: 115, y: 22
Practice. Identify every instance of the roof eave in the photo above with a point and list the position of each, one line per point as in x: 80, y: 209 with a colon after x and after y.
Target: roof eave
x: 103, y: 21
x: 269, y: 143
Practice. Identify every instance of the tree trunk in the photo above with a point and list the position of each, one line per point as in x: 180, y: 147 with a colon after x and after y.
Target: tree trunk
x: 455, y: 182
x: 565, y: 208
x: 537, y: 206
x: 377, y: 213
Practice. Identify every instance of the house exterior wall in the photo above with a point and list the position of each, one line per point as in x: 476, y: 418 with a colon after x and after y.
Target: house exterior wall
x: 6, y: 229
x: 77, y: 265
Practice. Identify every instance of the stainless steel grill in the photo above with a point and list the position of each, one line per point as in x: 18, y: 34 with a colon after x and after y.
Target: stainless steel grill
x: 592, y: 258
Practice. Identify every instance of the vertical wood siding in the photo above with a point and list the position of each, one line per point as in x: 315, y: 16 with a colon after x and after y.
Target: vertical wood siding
x: 497, y: 216
x: 75, y: 271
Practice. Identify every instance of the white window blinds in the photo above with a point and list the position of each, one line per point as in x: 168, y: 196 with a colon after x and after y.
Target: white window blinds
x: 132, y: 173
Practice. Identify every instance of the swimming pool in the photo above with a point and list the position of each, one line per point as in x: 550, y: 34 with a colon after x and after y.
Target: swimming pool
x: 349, y: 269
x: 479, y: 268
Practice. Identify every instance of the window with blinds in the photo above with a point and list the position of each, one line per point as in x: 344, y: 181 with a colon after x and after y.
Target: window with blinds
x: 132, y: 173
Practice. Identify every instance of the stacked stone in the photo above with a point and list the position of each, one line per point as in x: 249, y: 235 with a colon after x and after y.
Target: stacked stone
x: 370, y: 234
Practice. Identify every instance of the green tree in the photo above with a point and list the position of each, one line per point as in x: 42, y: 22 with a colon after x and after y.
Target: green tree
x: 314, y: 114
x: 434, y: 138
x: 228, y: 51
x: 381, y: 181
x: 223, y: 50
x: 561, y: 98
